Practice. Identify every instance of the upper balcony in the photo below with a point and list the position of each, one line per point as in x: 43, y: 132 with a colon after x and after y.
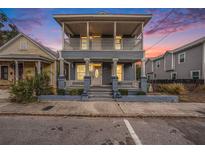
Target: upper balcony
x: 98, y: 43
x: 102, y: 32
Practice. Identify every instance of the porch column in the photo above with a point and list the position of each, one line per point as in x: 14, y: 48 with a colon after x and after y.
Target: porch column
x: 114, y: 66
x: 88, y: 34
x: 116, y: 94
x: 143, y: 83
x: 87, y: 62
x: 115, y: 33
x: 87, y: 79
x: 39, y: 67
x: 143, y: 68
x: 142, y: 37
x: 16, y: 71
x: 63, y: 34
x: 61, y: 79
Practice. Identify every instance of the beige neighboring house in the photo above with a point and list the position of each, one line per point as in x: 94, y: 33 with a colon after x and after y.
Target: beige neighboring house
x: 23, y: 57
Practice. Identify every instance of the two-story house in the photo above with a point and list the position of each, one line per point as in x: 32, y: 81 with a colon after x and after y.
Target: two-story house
x: 100, y: 50
x: 185, y: 62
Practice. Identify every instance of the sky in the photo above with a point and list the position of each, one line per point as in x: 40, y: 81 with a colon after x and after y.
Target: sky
x: 167, y: 30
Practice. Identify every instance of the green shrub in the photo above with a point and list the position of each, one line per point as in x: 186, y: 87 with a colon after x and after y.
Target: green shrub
x: 27, y: 90
x: 75, y: 91
x: 23, y: 91
x: 175, y: 88
x: 41, y: 84
x: 141, y: 93
x: 61, y: 91
x: 123, y: 92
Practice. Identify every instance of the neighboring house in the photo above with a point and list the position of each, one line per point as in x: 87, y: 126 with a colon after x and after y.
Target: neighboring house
x: 23, y: 57
x: 101, y: 50
x: 186, y: 62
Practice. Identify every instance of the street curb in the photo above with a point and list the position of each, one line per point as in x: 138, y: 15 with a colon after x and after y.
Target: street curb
x: 100, y: 115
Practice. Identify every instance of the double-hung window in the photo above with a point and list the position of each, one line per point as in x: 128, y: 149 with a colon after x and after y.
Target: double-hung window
x: 195, y: 74
x: 4, y: 72
x: 84, y: 43
x: 181, y: 58
x: 80, y: 72
x: 158, y: 63
x: 118, y: 42
x: 173, y: 75
x: 120, y: 72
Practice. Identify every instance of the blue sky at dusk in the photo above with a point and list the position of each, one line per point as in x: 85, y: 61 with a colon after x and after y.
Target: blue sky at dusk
x: 181, y: 25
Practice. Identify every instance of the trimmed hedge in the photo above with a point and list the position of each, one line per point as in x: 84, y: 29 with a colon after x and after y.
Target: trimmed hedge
x: 73, y: 92
x: 123, y: 92
x: 141, y: 93
x: 61, y: 91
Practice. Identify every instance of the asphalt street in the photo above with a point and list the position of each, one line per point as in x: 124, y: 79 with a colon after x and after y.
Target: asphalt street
x: 41, y: 130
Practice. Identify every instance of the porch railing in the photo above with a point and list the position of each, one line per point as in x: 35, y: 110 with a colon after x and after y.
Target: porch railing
x: 103, y: 44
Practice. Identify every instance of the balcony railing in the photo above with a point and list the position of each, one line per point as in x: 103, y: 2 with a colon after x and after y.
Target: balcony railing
x: 103, y: 44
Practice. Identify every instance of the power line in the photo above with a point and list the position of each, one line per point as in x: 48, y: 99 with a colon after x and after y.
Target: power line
x: 157, y: 27
x: 158, y: 41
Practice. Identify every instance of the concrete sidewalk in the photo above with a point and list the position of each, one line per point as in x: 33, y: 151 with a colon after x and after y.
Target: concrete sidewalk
x: 105, y: 109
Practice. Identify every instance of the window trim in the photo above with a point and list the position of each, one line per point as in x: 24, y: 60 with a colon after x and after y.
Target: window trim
x: 81, y: 42
x: 158, y: 61
x: 172, y: 75
x: 7, y: 72
x: 195, y: 71
x: 183, y: 53
x: 76, y: 75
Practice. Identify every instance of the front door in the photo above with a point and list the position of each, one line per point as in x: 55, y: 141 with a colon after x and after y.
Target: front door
x: 96, y: 79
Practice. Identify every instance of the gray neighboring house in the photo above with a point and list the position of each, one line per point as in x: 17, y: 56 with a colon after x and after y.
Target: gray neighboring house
x: 101, y: 50
x: 186, y: 62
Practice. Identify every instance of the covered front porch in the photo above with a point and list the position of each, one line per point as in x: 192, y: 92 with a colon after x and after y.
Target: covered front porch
x: 20, y: 67
x: 95, y: 72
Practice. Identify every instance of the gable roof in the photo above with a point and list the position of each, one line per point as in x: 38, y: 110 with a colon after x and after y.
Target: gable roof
x: 184, y: 47
x: 189, y: 45
x: 50, y: 52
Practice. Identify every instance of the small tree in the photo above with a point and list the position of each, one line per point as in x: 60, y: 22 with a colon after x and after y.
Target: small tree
x: 22, y: 91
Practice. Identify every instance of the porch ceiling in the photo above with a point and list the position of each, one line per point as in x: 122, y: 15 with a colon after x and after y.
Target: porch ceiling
x: 102, y: 23
x: 103, y: 28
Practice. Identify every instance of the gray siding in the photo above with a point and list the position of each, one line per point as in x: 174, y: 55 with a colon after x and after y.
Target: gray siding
x: 103, y: 55
x: 148, y: 67
x: 160, y: 72
x: 129, y: 72
x: 193, y: 61
x: 168, y: 59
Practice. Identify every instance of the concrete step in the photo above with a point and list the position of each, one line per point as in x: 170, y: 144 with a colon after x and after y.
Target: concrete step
x: 100, y: 93
x: 100, y: 90
x: 100, y: 96
x: 101, y: 99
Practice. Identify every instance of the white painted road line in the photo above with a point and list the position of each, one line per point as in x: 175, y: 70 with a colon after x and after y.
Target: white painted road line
x: 132, y: 132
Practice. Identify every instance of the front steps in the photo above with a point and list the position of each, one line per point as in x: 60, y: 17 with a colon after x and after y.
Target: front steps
x: 100, y: 93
